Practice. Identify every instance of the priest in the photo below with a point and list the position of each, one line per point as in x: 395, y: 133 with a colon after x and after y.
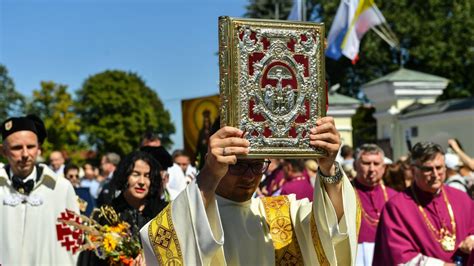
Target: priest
x: 373, y: 194
x: 32, y: 198
x: 428, y: 223
x: 215, y: 221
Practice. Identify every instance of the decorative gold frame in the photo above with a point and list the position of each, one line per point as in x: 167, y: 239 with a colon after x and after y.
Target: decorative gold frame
x: 256, y: 59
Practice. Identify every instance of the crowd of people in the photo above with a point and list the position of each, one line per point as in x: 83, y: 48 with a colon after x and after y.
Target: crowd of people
x: 354, y: 206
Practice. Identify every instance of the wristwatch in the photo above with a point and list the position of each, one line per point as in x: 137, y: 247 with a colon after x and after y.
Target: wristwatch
x: 332, y: 179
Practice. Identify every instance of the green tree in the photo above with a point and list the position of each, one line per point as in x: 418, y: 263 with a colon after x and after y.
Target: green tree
x: 365, y: 126
x: 55, y: 106
x: 269, y: 9
x: 11, y: 102
x: 117, y: 108
x: 438, y: 35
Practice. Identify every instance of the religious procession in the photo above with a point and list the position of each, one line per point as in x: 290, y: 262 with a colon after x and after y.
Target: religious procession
x: 328, y: 134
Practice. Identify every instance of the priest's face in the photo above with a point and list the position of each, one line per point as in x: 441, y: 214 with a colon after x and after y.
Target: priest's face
x: 21, y: 149
x: 241, y: 180
x: 370, y: 168
x: 430, y: 175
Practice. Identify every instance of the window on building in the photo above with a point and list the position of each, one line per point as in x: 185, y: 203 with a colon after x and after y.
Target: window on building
x: 414, y: 132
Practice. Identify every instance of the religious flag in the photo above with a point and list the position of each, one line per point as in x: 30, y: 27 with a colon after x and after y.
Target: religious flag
x: 366, y: 16
x: 353, y: 19
x: 296, y: 11
x: 340, y: 25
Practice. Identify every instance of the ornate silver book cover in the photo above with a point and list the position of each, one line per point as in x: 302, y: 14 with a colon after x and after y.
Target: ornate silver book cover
x: 272, y: 83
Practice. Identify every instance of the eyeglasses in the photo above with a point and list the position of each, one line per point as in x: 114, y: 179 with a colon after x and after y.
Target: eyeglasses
x: 257, y: 168
x: 72, y: 176
x: 430, y: 169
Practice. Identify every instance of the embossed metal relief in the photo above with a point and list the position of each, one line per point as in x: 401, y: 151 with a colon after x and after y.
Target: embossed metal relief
x: 272, y: 83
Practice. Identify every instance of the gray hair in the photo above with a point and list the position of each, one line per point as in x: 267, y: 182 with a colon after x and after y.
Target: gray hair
x: 370, y: 148
x: 425, y: 151
x: 112, y: 158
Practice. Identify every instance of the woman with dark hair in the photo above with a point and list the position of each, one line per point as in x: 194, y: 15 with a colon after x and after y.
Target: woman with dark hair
x: 138, y: 180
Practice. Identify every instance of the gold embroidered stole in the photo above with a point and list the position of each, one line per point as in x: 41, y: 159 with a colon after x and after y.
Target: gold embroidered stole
x: 287, y: 249
x: 164, y: 240
x: 318, y: 246
x: 358, y: 215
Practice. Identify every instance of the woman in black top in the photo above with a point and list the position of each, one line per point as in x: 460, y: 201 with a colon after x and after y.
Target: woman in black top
x: 138, y: 179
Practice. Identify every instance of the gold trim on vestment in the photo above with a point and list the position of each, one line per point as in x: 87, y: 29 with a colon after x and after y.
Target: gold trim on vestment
x: 358, y: 214
x: 287, y: 249
x: 164, y: 240
x: 318, y: 246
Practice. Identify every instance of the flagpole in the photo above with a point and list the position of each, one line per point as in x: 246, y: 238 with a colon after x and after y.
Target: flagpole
x: 303, y: 10
x: 381, y: 35
x: 277, y: 9
x: 385, y: 25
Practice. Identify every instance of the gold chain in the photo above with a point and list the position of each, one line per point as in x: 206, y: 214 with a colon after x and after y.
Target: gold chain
x: 445, y: 237
x: 371, y: 220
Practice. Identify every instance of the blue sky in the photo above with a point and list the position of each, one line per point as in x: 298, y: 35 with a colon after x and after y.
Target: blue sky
x: 170, y: 44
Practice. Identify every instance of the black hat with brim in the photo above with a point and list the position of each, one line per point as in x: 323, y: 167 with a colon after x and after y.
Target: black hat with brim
x: 29, y: 123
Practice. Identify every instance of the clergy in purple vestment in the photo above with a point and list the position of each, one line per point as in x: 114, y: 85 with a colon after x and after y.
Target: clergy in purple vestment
x: 370, y: 168
x: 274, y: 179
x: 296, y: 182
x: 428, y: 223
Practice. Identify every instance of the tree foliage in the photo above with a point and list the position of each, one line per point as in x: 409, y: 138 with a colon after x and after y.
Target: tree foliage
x: 438, y: 35
x: 55, y: 106
x: 268, y: 9
x: 117, y: 108
x: 11, y: 102
x: 366, y: 129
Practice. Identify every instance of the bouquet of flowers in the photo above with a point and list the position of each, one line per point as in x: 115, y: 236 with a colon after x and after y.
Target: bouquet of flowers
x: 111, y: 239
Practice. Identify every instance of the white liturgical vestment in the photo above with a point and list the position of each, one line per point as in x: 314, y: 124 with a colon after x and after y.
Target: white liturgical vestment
x: 256, y: 232
x: 29, y: 231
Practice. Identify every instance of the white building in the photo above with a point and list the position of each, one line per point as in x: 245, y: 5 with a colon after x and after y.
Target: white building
x: 406, y: 109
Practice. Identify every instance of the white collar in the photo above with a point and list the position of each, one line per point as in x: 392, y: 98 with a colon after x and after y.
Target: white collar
x: 31, y: 176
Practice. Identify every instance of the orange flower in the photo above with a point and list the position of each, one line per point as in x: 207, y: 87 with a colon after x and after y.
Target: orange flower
x: 118, y: 228
x: 126, y: 260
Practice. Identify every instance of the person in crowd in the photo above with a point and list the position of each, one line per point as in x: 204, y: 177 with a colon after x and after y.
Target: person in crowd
x: 466, y: 169
x: 311, y: 167
x: 428, y: 223
x: 84, y: 197
x: 108, y: 164
x: 138, y: 180
x: 89, y: 180
x: 56, y: 161
x: 466, y: 159
x: 151, y: 139
x: 349, y: 171
x: 453, y: 178
x: 165, y: 160
x: 398, y: 175
x: 71, y: 173
x: 297, y: 182
x: 32, y: 198
x: 276, y: 178
x: 182, y: 172
x: 373, y: 194
x: 347, y: 154
x: 215, y: 220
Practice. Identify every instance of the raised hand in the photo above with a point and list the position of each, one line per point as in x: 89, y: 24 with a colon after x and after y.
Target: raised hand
x: 224, y: 146
x: 325, y: 136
